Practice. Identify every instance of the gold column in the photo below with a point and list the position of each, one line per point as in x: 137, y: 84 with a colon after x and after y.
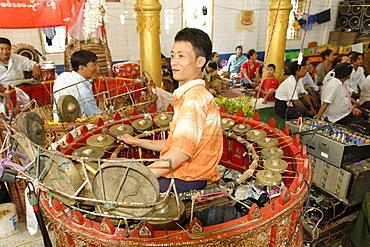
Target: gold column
x: 148, y: 28
x: 276, y: 36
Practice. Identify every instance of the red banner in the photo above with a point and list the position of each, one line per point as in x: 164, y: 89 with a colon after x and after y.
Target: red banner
x: 19, y: 14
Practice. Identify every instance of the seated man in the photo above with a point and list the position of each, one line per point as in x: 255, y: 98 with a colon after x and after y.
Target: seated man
x: 194, y: 143
x: 234, y: 63
x: 335, y: 99
x: 287, y: 103
x: 78, y: 83
x: 13, y: 65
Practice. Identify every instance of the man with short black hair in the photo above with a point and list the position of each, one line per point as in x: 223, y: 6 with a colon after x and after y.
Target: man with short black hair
x: 194, y: 143
x: 13, y: 65
x: 78, y: 83
x: 336, y: 103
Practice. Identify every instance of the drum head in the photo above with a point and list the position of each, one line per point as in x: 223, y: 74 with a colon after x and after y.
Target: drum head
x: 68, y: 108
x: 129, y: 182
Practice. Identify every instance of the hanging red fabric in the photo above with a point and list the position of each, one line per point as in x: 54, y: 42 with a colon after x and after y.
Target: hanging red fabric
x: 20, y: 14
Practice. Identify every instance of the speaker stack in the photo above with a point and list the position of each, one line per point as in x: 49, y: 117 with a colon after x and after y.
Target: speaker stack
x: 349, y: 15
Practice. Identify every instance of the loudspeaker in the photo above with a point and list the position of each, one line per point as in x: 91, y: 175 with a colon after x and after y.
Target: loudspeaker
x: 365, y: 25
x: 350, y: 15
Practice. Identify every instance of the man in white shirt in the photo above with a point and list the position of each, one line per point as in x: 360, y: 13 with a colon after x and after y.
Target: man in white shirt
x: 78, y: 83
x: 336, y: 102
x: 357, y: 77
x: 287, y: 103
x: 13, y: 65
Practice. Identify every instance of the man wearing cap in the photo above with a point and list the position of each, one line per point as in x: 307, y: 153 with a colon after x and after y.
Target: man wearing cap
x: 336, y: 102
x: 13, y: 65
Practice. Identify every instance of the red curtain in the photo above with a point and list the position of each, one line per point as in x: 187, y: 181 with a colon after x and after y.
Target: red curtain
x: 20, y: 14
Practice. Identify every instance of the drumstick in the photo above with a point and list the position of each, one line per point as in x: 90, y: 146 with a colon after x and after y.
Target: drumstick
x: 105, y: 131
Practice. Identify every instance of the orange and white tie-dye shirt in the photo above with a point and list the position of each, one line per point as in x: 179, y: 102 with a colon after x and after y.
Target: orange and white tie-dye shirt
x: 196, y: 131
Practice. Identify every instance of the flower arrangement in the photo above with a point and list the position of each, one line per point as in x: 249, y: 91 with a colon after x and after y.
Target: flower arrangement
x: 95, y: 14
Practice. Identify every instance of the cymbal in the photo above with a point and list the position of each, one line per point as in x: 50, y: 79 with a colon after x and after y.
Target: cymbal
x: 276, y: 165
x: 106, y: 142
x: 168, y: 209
x: 227, y: 123
x: 269, y: 178
x: 142, y: 124
x: 272, y: 152
x: 32, y: 126
x: 68, y: 108
x: 255, y: 134
x: 241, y: 129
x: 162, y: 120
x: 89, y: 151
x: 121, y: 129
x: 267, y: 142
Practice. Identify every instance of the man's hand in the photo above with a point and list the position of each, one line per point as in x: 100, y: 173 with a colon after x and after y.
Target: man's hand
x: 356, y: 111
x: 128, y: 139
x: 36, y: 72
x: 312, y: 112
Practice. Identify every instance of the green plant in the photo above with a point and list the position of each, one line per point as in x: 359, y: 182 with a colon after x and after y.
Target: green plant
x: 232, y: 105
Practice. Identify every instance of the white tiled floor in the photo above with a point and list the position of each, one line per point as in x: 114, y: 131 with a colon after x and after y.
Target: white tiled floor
x: 24, y: 239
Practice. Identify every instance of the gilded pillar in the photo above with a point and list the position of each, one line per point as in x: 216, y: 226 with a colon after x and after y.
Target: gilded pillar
x: 148, y: 29
x: 277, y: 25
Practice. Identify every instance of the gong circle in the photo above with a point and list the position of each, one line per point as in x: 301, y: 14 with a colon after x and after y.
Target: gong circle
x: 227, y: 123
x: 106, y: 142
x: 272, y: 152
x: 267, y: 142
x: 269, y: 178
x: 255, y: 134
x: 241, y: 129
x: 68, y: 108
x: 121, y: 129
x: 162, y: 120
x: 142, y: 124
x: 129, y: 182
x: 89, y: 151
x: 276, y: 165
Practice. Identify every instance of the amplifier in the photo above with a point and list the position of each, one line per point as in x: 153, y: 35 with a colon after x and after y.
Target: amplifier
x: 348, y: 184
x: 334, y: 144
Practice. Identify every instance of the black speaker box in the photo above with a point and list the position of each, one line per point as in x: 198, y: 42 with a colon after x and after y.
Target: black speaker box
x: 351, y: 15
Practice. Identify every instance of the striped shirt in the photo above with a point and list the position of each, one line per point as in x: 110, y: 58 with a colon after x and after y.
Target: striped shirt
x: 195, y: 131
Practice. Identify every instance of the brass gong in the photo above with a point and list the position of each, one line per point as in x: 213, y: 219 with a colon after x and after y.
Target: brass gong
x: 272, y: 152
x: 106, y: 142
x: 269, y: 178
x: 267, y: 142
x: 121, y: 129
x: 241, y: 129
x: 126, y: 181
x: 32, y: 126
x: 227, y: 123
x: 142, y: 124
x: 162, y: 120
x: 68, y: 108
x: 89, y: 151
x: 276, y: 165
x: 255, y: 134
x: 168, y: 209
